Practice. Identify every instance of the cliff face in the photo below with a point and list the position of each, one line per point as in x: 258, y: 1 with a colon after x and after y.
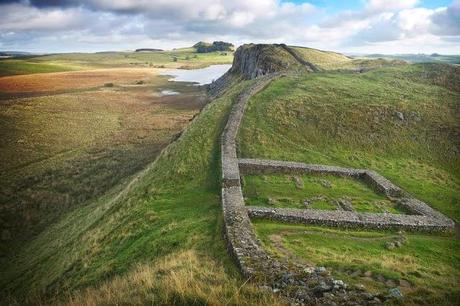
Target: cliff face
x: 251, y: 61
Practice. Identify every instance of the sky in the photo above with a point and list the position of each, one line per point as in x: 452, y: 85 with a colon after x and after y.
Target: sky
x: 350, y: 26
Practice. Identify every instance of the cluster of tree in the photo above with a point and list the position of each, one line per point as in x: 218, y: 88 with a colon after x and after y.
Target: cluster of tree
x: 204, y: 47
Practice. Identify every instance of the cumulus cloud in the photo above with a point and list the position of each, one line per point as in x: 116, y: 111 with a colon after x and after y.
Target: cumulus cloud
x: 122, y: 24
x: 389, y: 5
x: 20, y: 17
x: 446, y: 21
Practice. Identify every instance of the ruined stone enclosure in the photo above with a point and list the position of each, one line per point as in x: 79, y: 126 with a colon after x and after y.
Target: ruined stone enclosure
x: 419, y: 215
x: 304, y: 285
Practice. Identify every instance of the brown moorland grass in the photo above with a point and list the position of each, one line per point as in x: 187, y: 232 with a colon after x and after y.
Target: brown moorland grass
x: 61, y: 149
x: 58, y: 81
x: 184, y: 278
x: 173, y: 281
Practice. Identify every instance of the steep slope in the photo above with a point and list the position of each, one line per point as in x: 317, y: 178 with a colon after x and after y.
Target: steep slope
x: 171, y: 214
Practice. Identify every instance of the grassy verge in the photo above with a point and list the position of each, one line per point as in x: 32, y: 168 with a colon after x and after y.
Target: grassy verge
x: 425, y: 267
x: 313, y: 192
x: 402, y: 122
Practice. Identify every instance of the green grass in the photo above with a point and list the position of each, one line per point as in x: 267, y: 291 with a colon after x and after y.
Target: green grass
x: 321, y: 191
x: 431, y: 264
x: 160, y: 240
x: 20, y: 66
x: 186, y: 58
x: 323, y: 59
x: 420, y: 58
x: 328, y: 60
x: 63, y: 150
x: 350, y: 120
x: 174, y: 208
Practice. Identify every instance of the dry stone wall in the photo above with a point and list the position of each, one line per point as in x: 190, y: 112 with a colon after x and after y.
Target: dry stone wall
x: 349, y: 219
x: 301, y: 284
x: 423, y: 218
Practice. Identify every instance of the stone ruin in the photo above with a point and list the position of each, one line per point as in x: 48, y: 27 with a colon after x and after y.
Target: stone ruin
x: 303, y: 285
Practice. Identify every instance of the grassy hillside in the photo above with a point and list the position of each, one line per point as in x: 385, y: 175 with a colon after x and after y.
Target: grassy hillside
x: 62, y: 148
x: 155, y: 237
x: 419, y: 58
x: 323, y: 59
x: 393, y: 120
x: 169, y: 223
x: 22, y: 66
x: 328, y: 60
x: 180, y: 58
x: 403, y: 122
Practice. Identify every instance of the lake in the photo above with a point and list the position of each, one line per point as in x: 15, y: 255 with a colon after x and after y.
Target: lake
x: 199, y: 76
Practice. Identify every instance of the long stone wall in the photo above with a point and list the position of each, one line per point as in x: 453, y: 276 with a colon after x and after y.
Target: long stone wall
x: 302, y: 285
x: 230, y: 169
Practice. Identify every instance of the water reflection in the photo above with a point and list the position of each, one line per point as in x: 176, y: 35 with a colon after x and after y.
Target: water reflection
x: 199, y: 76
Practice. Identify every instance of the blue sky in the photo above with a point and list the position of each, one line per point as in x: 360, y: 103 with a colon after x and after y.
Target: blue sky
x: 355, y: 26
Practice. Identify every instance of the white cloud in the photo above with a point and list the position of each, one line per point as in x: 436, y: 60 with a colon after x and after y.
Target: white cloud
x: 446, y: 21
x: 389, y: 5
x: 19, y: 17
x: 120, y: 24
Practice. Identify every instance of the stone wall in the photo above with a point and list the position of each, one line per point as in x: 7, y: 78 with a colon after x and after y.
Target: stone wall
x: 230, y: 169
x: 350, y: 219
x: 302, y: 285
x: 424, y: 217
x: 261, y: 166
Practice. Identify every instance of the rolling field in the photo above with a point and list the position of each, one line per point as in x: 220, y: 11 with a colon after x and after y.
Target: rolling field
x: 73, y: 138
x: 186, y: 58
x: 67, y: 81
x: 155, y: 236
x: 109, y: 247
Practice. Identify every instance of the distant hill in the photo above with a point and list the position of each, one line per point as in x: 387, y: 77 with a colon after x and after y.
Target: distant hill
x: 14, y: 53
x: 148, y: 50
x: 419, y: 58
x: 204, y: 47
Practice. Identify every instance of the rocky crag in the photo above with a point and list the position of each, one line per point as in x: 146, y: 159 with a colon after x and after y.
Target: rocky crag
x: 256, y: 60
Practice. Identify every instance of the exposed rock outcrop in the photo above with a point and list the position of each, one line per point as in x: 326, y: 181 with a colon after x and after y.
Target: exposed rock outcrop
x: 254, y: 60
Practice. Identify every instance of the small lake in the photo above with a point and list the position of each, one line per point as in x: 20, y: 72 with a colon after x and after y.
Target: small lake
x: 199, y: 76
